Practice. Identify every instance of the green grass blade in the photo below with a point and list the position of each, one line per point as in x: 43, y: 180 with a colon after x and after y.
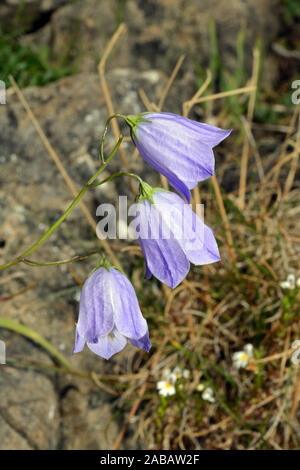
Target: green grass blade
x: 34, y: 336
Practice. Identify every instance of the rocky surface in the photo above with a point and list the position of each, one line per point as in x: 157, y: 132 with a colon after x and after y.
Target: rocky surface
x: 159, y: 31
x: 27, y: 15
x: 40, y: 409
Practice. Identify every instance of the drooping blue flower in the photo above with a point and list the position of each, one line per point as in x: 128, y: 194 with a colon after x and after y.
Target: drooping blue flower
x: 177, y: 147
x: 171, y: 236
x: 109, y: 313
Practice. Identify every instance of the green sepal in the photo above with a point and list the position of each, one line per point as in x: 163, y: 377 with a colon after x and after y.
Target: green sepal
x: 133, y: 120
x: 105, y: 263
x: 118, y: 268
x: 146, y: 192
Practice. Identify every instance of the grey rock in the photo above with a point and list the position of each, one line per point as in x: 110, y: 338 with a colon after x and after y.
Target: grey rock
x: 29, y: 402
x: 27, y: 14
x: 158, y: 32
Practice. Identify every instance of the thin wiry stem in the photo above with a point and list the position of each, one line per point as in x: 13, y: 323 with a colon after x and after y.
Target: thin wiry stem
x: 44, y: 237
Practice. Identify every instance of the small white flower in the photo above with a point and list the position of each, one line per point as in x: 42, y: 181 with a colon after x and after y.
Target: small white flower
x: 248, y: 348
x: 178, y: 373
x: 289, y: 283
x: 284, y: 285
x: 241, y: 358
x: 208, y: 395
x: 200, y: 388
x: 166, y: 388
x: 292, y: 280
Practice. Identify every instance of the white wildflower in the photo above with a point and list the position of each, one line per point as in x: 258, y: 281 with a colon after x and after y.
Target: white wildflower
x: 166, y: 388
x: 241, y: 358
x: 178, y: 373
x: 289, y: 283
x: 208, y: 395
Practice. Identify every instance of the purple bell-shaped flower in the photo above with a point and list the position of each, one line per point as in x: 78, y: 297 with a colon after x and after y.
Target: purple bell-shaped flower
x: 109, y: 314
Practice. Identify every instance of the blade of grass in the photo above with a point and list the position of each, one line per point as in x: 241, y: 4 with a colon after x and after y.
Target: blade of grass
x: 36, y: 337
x: 109, y: 104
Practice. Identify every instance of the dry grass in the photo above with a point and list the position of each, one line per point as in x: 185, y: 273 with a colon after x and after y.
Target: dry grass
x: 216, y: 312
x: 221, y: 307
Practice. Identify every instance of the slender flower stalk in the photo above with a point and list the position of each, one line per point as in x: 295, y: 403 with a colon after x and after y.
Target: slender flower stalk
x: 56, y: 263
x: 44, y: 237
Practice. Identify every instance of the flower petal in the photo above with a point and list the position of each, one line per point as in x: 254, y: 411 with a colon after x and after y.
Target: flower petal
x: 179, y: 148
x: 196, y: 239
x: 127, y: 314
x: 211, y: 135
x: 165, y: 257
x: 79, y: 343
x: 96, y: 306
x: 148, y: 273
x: 248, y: 348
x: 203, y: 251
x: 179, y: 165
x: 142, y: 343
x: 108, y: 345
x: 291, y: 279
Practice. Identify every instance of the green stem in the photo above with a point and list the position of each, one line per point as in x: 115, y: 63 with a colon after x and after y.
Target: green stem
x: 34, y: 336
x: 20, y: 258
x: 115, y: 175
x: 65, y: 261
x: 105, y: 132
